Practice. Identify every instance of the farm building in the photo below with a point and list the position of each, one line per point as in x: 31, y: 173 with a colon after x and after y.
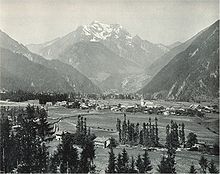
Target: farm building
x: 59, y: 135
x: 102, y: 142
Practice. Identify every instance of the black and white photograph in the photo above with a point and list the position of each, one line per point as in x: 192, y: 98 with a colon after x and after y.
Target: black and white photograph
x: 109, y: 86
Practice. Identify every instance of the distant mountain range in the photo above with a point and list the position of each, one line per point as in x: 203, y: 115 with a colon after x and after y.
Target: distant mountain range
x: 113, y: 36
x: 22, y: 69
x: 99, y: 58
x: 103, y: 53
x: 192, y: 69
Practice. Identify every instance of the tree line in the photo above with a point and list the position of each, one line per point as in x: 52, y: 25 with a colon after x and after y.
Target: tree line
x: 130, y: 133
x: 43, y: 96
x: 121, y: 163
x: 24, y: 145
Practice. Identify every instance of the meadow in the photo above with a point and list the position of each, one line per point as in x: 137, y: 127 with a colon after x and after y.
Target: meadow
x: 103, y: 124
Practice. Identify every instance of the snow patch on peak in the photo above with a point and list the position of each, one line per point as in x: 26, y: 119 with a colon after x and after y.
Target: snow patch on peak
x: 86, y: 31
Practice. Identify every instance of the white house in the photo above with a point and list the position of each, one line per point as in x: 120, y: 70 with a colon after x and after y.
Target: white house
x: 102, y: 142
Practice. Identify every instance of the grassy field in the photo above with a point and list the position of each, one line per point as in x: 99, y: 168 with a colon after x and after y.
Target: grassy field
x: 103, y: 124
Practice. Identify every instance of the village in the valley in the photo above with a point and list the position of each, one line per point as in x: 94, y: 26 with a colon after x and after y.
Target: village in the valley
x: 132, y: 124
x: 109, y: 86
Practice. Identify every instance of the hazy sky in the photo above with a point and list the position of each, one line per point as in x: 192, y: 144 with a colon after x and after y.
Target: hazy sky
x: 164, y: 21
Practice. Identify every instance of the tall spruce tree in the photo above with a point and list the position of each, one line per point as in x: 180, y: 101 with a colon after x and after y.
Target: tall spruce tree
x: 203, y: 162
x: 141, y: 141
x: 183, y: 134
x: 140, y: 164
x: 67, y: 156
x: 119, y: 164
x: 111, y: 162
x: 156, y: 131
x: 164, y: 166
x: 125, y: 159
x: 167, y: 164
x: 146, y: 161
x: 132, y: 166
x: 7, y: 145
x: 45, y: 129
x: 171, y: 153
x: 45, y: 133
x: 29, y: 143
x: 87, y: 156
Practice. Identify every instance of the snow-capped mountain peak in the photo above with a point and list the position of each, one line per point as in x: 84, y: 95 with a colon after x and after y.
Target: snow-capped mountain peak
x: 98, y: 31
x: 113, y: 36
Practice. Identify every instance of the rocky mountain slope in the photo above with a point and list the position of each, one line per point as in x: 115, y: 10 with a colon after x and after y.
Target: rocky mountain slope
x: 58, y: 80
x: 175, y: 49
x: 96, y: 61
x: 191, y: 74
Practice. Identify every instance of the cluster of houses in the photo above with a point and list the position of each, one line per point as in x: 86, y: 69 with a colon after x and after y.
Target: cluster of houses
x: 147, y: 107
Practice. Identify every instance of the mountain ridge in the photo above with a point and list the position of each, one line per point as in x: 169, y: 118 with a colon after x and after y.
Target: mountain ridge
x: 10, y: 44
x: 191, y: 74
x: 113, y: 36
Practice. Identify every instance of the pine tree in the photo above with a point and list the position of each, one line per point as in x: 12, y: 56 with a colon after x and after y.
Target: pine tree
x: 87, y: 156
x: 85, y: 127
x: 7, y: 146
x: 125, y: 159
x: 132, y: 167
x: 119, y: 164
x: 136, y: 135
x: 140, y: 164
x: 183, y: 134
x: 141, y: 137
x: 144, y: 134
x: 43, y: 156
x: 167, y: 164
x: 203, y: 162
x: 111, y: 162
x: 29, y: 143
x: 192, y: 169
x: 67, y: 155
x: 54, y: 163
x: 171, y: 153
x: 120, y: 135
x: 164, y: 166
x: 172, y: 138
x: 212, y: 168
x: 146, y: 162
x: 156, y: 131
x: 45, y: 132
x: 84, y: 165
